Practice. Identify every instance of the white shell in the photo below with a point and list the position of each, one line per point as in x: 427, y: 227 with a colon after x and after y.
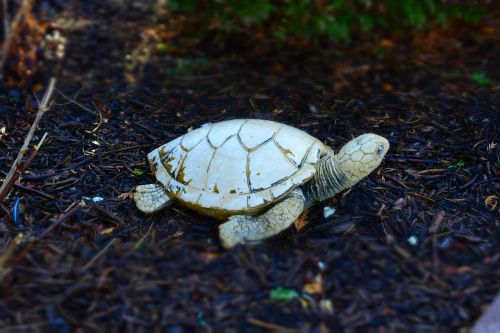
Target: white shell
x: 236, y: 165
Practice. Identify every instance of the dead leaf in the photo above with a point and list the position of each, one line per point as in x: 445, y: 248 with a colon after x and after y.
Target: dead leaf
x: 107, y: 231
x: 126, y: 195
x: 315, y: 287
x: 302, y: 221
x: 491, y: 202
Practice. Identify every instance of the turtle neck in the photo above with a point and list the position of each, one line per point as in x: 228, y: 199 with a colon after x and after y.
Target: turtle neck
x: 328, y: 181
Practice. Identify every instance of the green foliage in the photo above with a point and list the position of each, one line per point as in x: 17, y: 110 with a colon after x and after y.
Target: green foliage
x: 336, y: 20
x: 283, y: 294
x: 480, y: 78
x: 138, y: 172
x: 457, y: 165
x: 162, y: 47
x: 188, y: 66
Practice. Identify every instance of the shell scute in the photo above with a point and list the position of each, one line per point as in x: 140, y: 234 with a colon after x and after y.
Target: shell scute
x: 259, y: 198
x: 305, y: 173
x: 228, y: 169
x: 172, y: 160
x: 262, y: 173
x: 196, y: 165
x: 282, y: 188
x: 193, y: 138
x: 219, y: 133
x: 294, y: 144
x: 313, y: 154
x: 255, y: 133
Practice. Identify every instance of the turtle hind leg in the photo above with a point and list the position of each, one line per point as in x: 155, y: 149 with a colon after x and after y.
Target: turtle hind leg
x: 244, y: 228
x: 150, y: 198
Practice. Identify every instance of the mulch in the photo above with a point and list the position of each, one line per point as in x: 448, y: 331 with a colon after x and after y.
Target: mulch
x: 413, y: 245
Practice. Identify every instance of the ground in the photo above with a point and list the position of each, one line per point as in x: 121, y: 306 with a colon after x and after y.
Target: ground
x: 413, y: 245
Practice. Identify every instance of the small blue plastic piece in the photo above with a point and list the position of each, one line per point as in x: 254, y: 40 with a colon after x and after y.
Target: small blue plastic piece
x: 16, y: 210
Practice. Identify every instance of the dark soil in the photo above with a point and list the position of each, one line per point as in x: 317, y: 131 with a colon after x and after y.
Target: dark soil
x: 415, y: 245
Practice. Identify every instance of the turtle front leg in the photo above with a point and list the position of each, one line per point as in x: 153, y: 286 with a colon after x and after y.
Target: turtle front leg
x: 242, y: 228
x: 150, y: 198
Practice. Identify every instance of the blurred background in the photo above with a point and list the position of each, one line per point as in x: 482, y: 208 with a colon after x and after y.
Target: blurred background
x: 361, y: 46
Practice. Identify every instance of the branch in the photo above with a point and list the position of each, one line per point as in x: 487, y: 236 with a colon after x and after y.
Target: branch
x: 6, y: 27
x: 9, y: 31
x: 17, y: 169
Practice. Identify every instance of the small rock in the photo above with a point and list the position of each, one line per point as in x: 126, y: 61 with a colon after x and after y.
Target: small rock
x: 321, y: 266
x: 400, y: 204
x: 326, y: 306
x: 93, y: 199
x: 313, y: 109
x: 328, y: 211
x: 443, y: 243
x: 413, y: 240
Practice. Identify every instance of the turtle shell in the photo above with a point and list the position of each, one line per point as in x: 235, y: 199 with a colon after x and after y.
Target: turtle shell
x: 238, y: 166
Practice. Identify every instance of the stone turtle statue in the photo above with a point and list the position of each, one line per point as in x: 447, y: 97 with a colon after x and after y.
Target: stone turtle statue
x: 257, y: 175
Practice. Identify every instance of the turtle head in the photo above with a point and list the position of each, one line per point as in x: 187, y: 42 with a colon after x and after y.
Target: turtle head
x: 360, y: 156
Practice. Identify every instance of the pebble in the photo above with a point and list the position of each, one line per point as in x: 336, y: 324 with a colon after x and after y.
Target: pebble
x: 93, y: 199
x: 328, y: 211
x: 413, y: 240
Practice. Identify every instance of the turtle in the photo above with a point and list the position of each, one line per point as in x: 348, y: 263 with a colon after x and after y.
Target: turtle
x: 256, y: 175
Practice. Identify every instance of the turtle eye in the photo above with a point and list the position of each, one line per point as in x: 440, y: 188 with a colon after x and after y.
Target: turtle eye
x: 380, y: 149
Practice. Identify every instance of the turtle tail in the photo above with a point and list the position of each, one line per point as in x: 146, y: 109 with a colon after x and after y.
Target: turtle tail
x: 150, y: 198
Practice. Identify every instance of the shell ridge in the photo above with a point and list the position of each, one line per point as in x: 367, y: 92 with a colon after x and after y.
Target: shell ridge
x: 279, y: 182
x: 241, y: 126
x: 199, y: 197
x: 226, y: 140
x: 279, y: 129
x: 260, y: 145
x: 249, y: 183
x: 180, y: 167
x: 239, y: 137
x: 169, y: 155
x: 208, y: 137
x: 306, y: 154
x: 209, y: 164
x: 163, y: 186
x: 241, y: 142
x: 193, y: 147
x: 210, y: 143
x: 284, y: 153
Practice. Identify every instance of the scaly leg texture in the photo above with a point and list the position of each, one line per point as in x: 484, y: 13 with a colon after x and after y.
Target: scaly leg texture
x: 150, y: 198
x: 241, y: 228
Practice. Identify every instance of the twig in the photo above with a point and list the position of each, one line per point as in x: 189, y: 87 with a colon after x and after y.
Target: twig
x: 69, y: 212
x: 7, y: 255
x: 116, y: 219
x: 98, y: 113
x: 98, y: 255
x: 100, y: 119
x: 9, y: 33
x: 35, y: 191
x: 268, y: 326
x: 71, y: 100
x: 55, y: 173
x: 6, y: 28
x: 15, y: 170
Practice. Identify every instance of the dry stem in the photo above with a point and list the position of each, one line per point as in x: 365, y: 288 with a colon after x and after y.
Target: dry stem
x: 17, y: 169
x: 9, y: 33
